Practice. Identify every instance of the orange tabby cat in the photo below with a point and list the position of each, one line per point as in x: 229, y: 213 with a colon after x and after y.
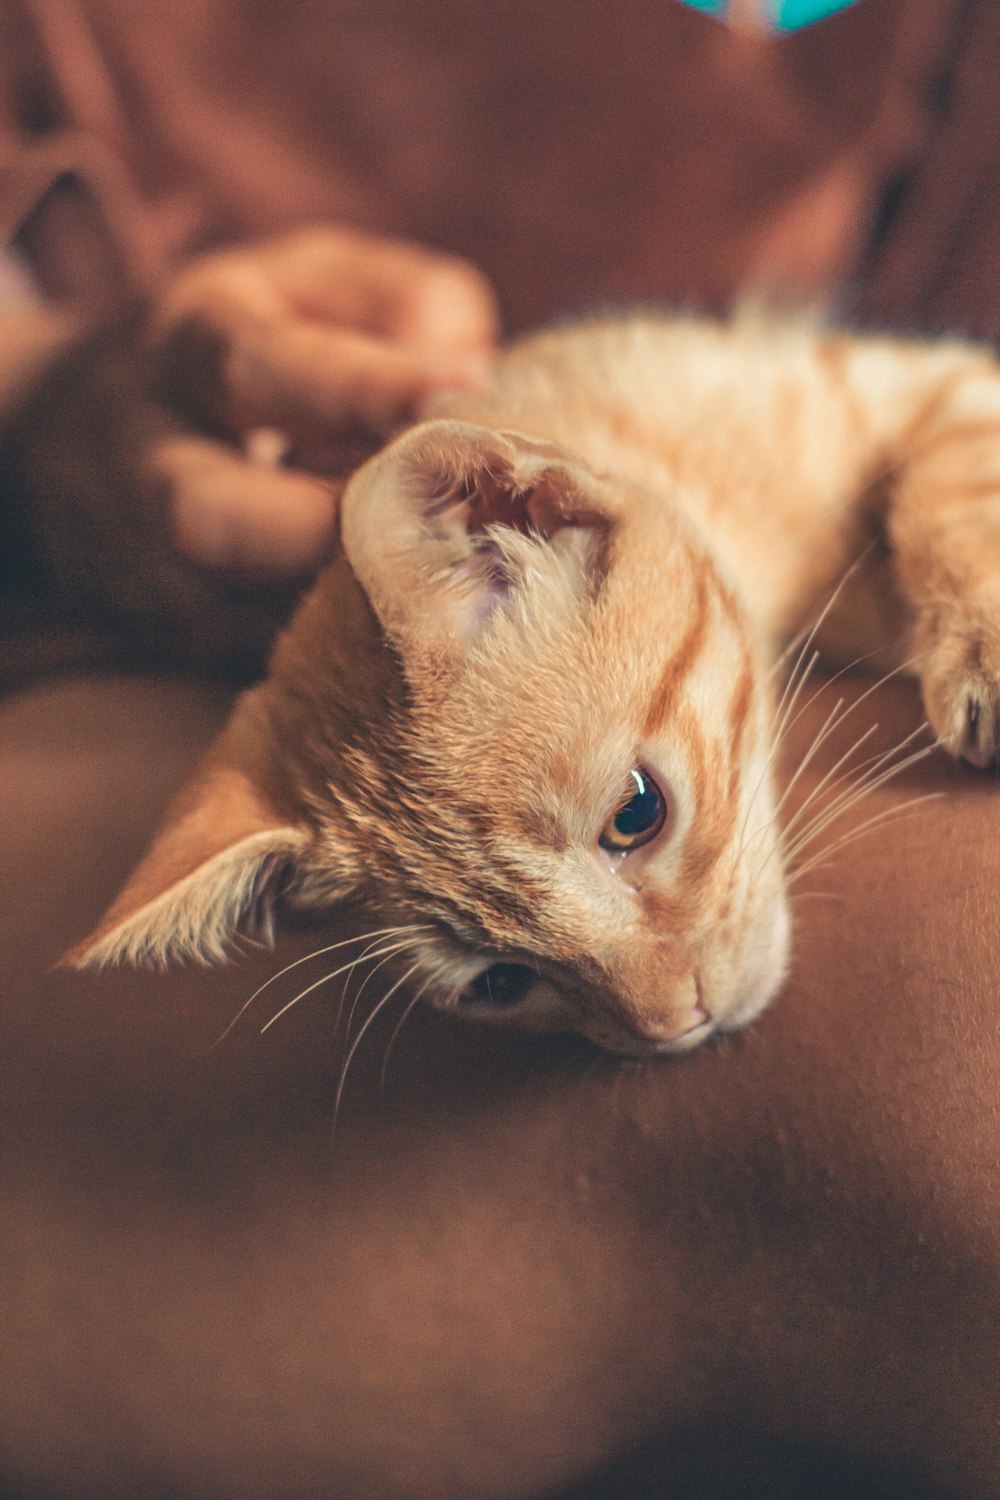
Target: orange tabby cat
x: 526, y: 714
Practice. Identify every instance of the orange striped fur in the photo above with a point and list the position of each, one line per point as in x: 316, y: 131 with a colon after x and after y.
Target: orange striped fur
x: 586, y: 572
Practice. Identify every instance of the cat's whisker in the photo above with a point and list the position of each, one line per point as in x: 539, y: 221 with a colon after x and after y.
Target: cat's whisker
x: 780, y: 724
x: 780, y: 719
x: 851, y: 797
x: 408, y: 1010
x: 872, y: 776
x: 813, y: 794
x: 324, y: 979
x: 833, y: 722
x: 384, y: 956
x: 804, y: 637
x: 775, y: 742
x: 791, y: 646
x: 878, y: 820
x: 817, y: 896
x: 831, y: 782
x: 843, y: 671
x: 363, y: 937
x: 817, y: 625
x: 828, y: 781
x: 401, y: 947
x: 778, y: 733
x: 347, y: 968
x: 785, y: 715
x: 352, y: 1050
x: 862, y: 779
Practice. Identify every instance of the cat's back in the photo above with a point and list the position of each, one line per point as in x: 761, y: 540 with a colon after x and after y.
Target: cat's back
x: 702, y: 400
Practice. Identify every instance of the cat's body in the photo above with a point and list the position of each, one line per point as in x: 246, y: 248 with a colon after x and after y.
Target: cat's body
x: 527, y: 715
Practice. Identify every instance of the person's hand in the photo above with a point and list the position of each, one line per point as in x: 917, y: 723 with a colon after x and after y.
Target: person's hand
x: 300, y: 351
x: 176, y: 474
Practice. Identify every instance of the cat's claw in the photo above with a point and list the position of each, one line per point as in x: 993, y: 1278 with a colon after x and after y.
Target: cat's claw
x: 961, y: 682
x: 981, y: 743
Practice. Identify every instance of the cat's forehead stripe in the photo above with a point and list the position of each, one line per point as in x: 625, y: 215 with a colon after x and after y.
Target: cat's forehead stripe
x: 681, y: 661
x: 715, y: 763
x: 738, y: 713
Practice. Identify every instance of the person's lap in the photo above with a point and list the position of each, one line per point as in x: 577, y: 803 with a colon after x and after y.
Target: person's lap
x: 518, y: 1260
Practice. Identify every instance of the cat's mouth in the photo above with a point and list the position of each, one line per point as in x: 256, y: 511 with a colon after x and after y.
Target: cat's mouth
x: 631, y: 1044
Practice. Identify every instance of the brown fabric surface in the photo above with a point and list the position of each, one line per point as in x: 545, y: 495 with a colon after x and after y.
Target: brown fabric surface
x: 767, y: 1271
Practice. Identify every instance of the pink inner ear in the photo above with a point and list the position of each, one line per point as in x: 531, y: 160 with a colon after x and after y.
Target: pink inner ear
x: 492, y: 497
x: 496, y: 501
x: 540, y: 510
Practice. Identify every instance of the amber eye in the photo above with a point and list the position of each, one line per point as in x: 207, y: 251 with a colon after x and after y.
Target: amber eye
x: 639, y: 820
x: 500, y: 986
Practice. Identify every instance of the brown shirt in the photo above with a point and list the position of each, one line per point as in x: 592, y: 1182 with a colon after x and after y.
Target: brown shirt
x: 593, y: 153
x: 599, y: 153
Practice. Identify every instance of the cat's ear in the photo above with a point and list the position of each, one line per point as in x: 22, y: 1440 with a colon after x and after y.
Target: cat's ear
x: 440, y: 525
x: 216, y: 868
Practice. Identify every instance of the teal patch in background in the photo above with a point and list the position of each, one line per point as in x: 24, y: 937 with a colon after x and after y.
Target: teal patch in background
x: 782, y: 15
x: 790, y: 15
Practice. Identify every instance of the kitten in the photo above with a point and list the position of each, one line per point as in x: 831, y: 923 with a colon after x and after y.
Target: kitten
x: 528, y: 707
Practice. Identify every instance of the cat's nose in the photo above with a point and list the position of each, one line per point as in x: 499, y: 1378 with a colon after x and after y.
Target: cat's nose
x: 683, y: 1014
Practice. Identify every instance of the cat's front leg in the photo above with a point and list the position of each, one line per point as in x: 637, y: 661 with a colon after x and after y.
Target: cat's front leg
x: 944, y: 525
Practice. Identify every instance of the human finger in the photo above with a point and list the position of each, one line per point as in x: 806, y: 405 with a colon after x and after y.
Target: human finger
x: 402, y: 291
x: 305, y: 377
x: 230, y: 513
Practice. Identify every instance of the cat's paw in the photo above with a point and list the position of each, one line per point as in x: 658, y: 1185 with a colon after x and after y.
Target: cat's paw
x: 960, y: 673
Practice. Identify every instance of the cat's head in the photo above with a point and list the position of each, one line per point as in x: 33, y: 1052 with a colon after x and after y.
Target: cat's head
x: 521, y: 715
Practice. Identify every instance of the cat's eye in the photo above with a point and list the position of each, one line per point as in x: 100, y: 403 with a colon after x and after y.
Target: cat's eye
x: 639, y: 819
x: 500, y: 986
